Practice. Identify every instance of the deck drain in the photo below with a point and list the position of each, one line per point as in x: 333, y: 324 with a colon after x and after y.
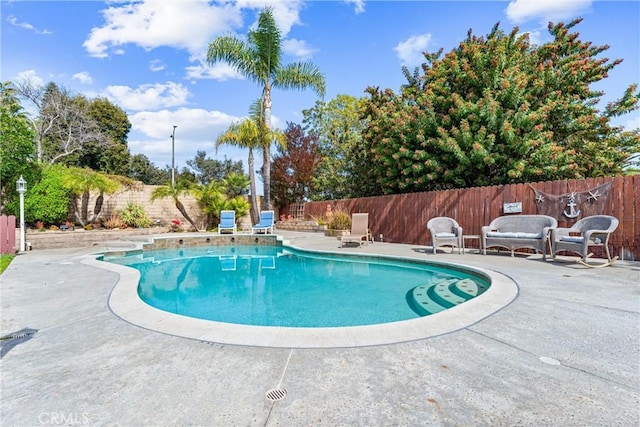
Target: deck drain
x: 276, y: 394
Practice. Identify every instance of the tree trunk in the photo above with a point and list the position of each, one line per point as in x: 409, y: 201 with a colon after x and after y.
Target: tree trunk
x: 76, y: 211
x: 84, y: 208
x: 97, y: 208
x: 184, y: 213
x: 252, y: 187
x: 266, y: 150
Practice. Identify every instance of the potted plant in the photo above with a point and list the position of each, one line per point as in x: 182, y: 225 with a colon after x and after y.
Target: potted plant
x: 339, y: 224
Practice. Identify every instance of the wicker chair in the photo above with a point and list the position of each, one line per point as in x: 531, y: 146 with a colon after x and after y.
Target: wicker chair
x: 445, y: 231
x: 586, y: 232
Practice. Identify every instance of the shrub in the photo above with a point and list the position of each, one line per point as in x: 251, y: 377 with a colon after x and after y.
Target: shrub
x: 47, y: 200
x: 134, y: 215
x: 114, y: 221
x: 340, y: 220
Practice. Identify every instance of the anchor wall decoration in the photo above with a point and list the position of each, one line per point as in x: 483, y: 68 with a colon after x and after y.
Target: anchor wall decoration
x: 573, y: 205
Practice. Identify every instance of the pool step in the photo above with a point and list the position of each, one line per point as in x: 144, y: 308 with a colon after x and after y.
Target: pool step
x: 434, y: 297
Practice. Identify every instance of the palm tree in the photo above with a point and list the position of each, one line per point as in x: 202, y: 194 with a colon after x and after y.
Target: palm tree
x: 81, y: 182
x: 211, y: 199
x: 182, y: 188
x: 259, y: 60
x: 251, y: 133
x: 236, y: 184
x: 245, y: 135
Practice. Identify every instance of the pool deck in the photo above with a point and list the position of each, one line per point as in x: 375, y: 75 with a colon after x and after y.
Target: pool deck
x: 565, y: 352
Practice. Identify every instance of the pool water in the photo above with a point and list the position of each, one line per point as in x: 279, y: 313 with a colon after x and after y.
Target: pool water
x: 276, y: 286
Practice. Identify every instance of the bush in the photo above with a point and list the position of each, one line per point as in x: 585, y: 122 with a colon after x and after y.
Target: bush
x: 134, y: 215
x: 340, y: 220
x: 47, y: 200
x: 114, y: 221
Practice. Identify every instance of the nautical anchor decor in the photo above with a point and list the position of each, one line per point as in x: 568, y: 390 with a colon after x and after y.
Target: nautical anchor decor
x: 572, y: 207
x: 576, y: 204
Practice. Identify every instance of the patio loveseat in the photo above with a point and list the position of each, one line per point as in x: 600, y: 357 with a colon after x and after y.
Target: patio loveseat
x: 517, y: 232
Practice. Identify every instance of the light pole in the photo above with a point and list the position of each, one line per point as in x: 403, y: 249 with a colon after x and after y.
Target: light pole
x: 21, y: 187
x: 173, y: 157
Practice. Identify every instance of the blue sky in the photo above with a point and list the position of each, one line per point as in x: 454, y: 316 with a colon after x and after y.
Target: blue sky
x: 148, y: 57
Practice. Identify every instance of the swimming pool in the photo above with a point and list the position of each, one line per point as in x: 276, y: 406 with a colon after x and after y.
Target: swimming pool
x: 125, y: 303
x: 284, y: 287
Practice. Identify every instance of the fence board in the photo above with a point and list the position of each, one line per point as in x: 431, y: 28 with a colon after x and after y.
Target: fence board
x: 402, y: 218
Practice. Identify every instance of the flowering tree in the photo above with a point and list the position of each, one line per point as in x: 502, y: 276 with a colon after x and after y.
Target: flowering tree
x: 499, y: 110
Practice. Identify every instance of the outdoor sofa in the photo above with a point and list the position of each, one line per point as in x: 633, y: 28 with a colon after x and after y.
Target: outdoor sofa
x: 517, y: 232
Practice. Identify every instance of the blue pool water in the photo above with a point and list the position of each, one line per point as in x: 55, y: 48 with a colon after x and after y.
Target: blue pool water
x: 275, y: 286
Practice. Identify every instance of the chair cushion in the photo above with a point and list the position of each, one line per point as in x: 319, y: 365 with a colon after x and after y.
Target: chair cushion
x: 445, y: 235
x: 572, y: 239
x: 514, y: 235
x: 579, y: 239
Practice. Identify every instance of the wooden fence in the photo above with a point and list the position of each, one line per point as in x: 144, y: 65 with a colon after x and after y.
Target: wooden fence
x: 402, y: 218
x: 7, y: 234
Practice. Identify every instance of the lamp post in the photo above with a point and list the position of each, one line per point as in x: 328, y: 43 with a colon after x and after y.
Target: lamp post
x: 21, y: 187
x: 173, y: 157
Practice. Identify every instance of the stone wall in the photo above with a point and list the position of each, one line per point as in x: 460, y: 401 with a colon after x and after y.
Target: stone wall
x: 160, y: 211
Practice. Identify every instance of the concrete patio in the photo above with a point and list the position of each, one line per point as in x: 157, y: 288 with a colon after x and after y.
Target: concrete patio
x: 565, y: 352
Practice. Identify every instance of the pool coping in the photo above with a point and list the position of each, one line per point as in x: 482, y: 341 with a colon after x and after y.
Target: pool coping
x: 125, y: 303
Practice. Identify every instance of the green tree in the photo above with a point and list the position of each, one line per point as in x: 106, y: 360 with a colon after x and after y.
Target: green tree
x: 294, y: 167
x: 208, y: 170
x: 211, y: 199
x: 236, y: 184
x: 142, y: 169
x: 81, y: 182
x: 17, y: 151
x: 182, y: 188
x: 114, y: 157
x: 498, y: 110
x: 259, y: 59
x: 344, y: 171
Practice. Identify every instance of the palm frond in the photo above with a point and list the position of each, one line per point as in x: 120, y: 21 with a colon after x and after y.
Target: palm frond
x: 300, y: 75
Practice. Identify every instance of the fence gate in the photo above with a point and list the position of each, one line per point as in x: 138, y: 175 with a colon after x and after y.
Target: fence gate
x: 7, y: 234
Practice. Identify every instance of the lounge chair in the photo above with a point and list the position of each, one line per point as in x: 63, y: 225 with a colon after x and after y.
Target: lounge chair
x: 266, y: 223
x: 360, y: 232
x: 445, y: 231
x: 586, y: 232
x: 227, y: 222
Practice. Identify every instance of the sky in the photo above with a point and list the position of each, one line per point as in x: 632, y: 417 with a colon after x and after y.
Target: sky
x: 149, y: 57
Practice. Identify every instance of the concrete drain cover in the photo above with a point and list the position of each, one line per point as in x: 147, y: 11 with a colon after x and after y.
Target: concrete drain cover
x: 276, y: 394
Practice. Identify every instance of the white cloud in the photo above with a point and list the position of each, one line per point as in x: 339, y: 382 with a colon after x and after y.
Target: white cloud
x: 298, y: 48
x: 358, y: 5
x: 535, y: 37
x: 83, y: 77
x: 286, y: 13
x: 192, y: 123
x: 188, y: 24
x: 30, y: 76
x: 157, y: 65
x: 148, y: 96
x: 197, y: 129
x: 220, y: 71
x: 410, y: 51
x: 546, y: 10
x: 25, y: 25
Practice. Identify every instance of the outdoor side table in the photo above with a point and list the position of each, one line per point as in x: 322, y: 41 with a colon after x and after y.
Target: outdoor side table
x: 470, y: 237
